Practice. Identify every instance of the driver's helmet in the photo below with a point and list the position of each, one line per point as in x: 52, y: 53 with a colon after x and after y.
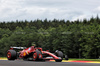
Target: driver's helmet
x: 33, y: 44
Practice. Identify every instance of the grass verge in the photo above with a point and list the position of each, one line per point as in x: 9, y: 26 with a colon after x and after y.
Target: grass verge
x: 3, y: 57
x: 75, y: 59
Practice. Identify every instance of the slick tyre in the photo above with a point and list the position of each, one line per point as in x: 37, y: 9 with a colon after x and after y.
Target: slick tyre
x: 58, y: 60
x: 59, y: 54
x: 11, y: 55
x: 37, y: 56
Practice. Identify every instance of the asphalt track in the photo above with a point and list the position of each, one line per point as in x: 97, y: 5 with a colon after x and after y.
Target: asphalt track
x: 47, y: 63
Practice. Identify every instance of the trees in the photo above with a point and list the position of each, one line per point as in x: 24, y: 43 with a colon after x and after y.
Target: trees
x: 77, y: 39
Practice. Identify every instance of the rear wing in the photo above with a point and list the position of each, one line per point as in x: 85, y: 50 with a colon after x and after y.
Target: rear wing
x: 18, y: 48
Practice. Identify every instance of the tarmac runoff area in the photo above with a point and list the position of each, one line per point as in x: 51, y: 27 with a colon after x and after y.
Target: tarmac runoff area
x: 66, y: 61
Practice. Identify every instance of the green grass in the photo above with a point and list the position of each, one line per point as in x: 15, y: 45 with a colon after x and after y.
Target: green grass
x: 84, y: 59
x: 3, y: 57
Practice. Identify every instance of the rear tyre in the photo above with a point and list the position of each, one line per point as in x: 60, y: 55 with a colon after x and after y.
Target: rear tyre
x: 11, y: 55
x: 37, y: 56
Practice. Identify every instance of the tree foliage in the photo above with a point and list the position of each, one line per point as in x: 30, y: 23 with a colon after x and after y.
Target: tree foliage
x: 77, y: 39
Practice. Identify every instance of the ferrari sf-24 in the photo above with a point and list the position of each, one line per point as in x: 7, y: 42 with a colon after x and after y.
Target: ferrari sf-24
x: 34, y: 54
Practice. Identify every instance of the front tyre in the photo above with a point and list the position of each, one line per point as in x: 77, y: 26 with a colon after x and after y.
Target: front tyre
x: 58, y: 60
x: 59, y: 54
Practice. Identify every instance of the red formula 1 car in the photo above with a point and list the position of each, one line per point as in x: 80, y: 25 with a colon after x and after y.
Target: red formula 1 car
x: 33, y: 53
